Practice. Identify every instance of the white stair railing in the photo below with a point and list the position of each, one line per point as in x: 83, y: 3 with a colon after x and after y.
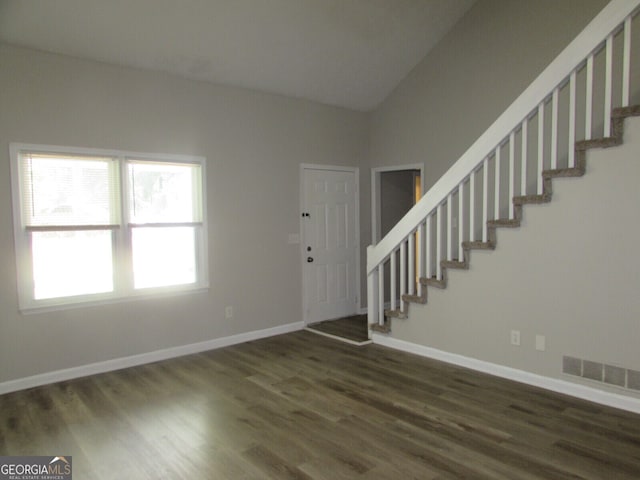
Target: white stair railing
x: 568, y: 101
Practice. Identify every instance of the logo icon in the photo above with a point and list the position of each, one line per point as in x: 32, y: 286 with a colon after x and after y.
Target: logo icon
x: 36, y: 468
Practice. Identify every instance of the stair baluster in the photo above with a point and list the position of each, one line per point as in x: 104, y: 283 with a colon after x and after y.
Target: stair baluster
x: 496, y: 180
x: 608, y: 79
x: 460, y: 218
x: 485, y: 197
x: 439, y: 242
x: 626, y: 62
x: 512, y: 170
x: 393, y: 268
x: 589, y: 100
x: 572, y: 120
x: 540, y: 147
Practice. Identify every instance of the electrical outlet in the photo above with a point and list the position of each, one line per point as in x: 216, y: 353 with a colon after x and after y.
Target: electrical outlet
x: 515, y: 337
x: 228, y: 312
x: 541, y: 343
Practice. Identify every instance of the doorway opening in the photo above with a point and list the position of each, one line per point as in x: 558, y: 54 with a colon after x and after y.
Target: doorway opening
x: 394, y: 190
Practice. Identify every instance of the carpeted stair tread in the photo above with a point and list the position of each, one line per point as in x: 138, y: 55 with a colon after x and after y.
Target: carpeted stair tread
x: 604, y: 142
x: 395, y: 313
x: 503, y: 223
x: 434, y: 282
x: 478, y: 245
x: 624, y: 112
x: 422, y: 299
x: 376, y: 327
x: 454, y: 264
x: 532, y: 199
x: 563, y: 172
x: 617, y: 128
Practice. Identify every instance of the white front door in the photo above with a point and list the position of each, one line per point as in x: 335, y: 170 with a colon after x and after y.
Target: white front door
x: 330, y: 243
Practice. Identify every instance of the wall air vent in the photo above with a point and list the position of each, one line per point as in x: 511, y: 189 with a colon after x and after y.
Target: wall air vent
x: 601, y: 372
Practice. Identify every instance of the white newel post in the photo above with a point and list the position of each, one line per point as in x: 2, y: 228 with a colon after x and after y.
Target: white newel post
x: 372, y: 297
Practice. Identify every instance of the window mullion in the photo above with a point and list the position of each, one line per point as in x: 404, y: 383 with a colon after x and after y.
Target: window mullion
x: 124, y: 261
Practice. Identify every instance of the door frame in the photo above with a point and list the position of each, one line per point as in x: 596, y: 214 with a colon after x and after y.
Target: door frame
x: 302, y: 253
x: 375, y: 194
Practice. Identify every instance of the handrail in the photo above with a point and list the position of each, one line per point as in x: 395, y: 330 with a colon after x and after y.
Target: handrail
x: 608, y: 20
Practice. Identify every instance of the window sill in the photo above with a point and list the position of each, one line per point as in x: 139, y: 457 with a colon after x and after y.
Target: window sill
x: 98, y: 300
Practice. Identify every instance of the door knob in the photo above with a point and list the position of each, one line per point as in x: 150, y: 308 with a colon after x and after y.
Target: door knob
x: 309, y: 259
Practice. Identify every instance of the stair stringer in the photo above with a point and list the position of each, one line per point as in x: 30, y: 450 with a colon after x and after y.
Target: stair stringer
x: 618, y: 117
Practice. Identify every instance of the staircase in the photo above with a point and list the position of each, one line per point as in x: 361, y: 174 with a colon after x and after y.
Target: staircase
x: 578, y: 103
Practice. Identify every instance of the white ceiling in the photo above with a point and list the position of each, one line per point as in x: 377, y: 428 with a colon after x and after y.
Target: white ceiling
x: 350, y: 53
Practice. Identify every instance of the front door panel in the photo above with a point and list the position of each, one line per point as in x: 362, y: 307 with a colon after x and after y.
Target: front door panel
x: 330, y: 244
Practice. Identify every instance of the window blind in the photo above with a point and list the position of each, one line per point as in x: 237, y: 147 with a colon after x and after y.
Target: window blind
x: 69, y: 191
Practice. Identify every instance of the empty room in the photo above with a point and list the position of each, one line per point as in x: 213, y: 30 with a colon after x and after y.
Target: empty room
x: 319, y: 239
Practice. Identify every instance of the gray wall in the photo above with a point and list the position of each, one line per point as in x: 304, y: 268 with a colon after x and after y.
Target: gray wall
x: 253, y: 143
x: 490, y: 56
x: 558, y: 275
x: 397, y: 192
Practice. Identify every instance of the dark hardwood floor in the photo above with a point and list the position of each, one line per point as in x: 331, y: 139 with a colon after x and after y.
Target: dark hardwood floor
x: 303, y: 406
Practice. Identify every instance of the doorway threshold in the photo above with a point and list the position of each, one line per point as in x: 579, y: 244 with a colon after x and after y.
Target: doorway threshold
x: 353, y: 330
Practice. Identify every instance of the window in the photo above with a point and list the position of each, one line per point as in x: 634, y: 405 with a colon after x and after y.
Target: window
x: 96, y: 225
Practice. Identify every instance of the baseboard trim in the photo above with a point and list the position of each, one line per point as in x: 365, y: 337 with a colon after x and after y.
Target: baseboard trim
x: 559, y: 386
x: 144, y: 358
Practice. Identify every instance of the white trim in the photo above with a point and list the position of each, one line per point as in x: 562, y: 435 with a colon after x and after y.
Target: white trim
x: 334, y: 168
x: 107, y: 152
x: 375, y: 192
x: 144, y: 358
x: 97, y: 301
x: 340, y: 339
x: 123, y: 289
x: 555, y: 385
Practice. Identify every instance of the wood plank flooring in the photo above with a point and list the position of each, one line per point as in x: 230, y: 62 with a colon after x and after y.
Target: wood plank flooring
x: 301, y: 406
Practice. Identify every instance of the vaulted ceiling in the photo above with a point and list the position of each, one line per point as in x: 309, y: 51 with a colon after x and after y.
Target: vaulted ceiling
x: 349, y: 53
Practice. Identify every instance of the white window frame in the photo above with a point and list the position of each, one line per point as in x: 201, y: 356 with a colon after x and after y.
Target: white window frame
x: 121, y: 235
